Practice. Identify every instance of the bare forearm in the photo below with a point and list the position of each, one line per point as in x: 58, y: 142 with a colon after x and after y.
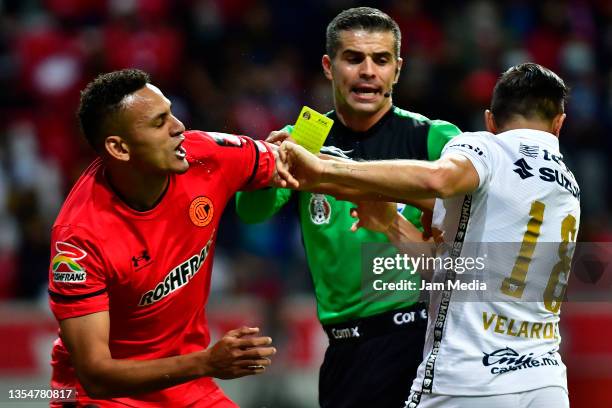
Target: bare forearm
x: 398, y: 179
x: 119, y: 378
x: 343, y: 192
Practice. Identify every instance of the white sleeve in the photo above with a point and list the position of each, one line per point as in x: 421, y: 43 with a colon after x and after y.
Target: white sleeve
x: 476, y: 147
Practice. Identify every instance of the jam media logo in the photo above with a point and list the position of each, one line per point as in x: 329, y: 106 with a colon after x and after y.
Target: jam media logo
x: 508, y: 359
x: 64, y: 265
x: 522, y: 168
x: 201, y: 211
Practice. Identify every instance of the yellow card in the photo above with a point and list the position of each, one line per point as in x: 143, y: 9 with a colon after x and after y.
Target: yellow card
x: 311, y: 129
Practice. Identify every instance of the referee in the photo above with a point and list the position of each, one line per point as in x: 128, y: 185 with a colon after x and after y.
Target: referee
x: 374, y: 347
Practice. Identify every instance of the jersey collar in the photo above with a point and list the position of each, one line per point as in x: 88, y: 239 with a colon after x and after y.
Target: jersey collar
x: 373, y: 129
x: 543, y: 137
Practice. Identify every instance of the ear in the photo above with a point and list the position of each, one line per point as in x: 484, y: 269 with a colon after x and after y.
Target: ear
x: 557, y: 123
x: 490, y: 122
x: 327, y: 67
x: 400, y: 61
x: 117, y: 148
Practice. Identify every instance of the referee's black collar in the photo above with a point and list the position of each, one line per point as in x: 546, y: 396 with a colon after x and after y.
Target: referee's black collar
x: 344, y: 129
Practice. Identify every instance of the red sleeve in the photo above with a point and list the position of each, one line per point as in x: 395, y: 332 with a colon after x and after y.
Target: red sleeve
x: 77, y: 279
x: 246, y: 164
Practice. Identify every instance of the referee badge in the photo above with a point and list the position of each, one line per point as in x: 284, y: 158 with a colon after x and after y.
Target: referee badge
x: 319, y: 209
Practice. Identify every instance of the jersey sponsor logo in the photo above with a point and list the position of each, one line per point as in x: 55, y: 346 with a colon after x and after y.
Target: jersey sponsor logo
x: 319, y: 209
x: 495, y: 323
x: 553, y: 175
x: 563, y: 176
x: 521, y: 169
x: 508, y: 359
x: 529, y: 151
x: 347, y: 333
x: 64, y: 265
x: 475, y: 149
x: 201, y: 211
x: 409, y: 317
x: 224, y: 139
x: 178, y: 277
x: 141, y: 260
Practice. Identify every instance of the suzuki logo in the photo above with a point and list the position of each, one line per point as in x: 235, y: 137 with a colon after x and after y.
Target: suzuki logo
x: 522, y: 169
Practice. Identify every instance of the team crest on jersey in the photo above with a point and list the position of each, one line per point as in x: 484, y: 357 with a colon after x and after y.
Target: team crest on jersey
x: 201, y: 211
x: 64, y: 265
x: 319, y: 209
x: 224, y: 139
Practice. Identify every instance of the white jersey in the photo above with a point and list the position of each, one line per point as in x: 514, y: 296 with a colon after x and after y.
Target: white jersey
x: 521, y: 223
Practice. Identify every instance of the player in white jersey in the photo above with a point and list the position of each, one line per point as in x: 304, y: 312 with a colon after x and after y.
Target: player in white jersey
x: 507, y: 185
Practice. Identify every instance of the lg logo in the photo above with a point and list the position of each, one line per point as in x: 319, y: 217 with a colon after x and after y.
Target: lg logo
x: 408, y: 317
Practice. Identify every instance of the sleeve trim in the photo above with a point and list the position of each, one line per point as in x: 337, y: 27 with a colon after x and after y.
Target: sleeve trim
x: 256, y: 166
x: 58, y: 297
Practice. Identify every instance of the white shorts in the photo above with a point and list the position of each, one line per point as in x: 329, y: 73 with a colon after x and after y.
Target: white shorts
x: 541, y: 398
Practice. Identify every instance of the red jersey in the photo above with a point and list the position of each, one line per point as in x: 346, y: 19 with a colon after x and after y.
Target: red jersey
x: 150, y: 270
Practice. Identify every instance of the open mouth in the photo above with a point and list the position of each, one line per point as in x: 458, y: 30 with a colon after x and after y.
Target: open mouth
x: 180, y: 152
x: 366, y: 91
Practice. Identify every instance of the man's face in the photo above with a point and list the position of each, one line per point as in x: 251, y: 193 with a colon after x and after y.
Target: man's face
x: 152, y: 134
x: 363, y: 70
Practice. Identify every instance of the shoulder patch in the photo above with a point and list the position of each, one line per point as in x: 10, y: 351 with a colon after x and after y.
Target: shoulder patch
x: 64, y: 265
x: 225, y: 139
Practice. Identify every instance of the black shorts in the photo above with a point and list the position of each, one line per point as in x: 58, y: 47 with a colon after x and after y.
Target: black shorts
x: 371, y: 362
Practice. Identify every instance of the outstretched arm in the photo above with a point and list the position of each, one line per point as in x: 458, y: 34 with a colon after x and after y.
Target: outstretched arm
x: 451, y: 175
x: 343, y: 192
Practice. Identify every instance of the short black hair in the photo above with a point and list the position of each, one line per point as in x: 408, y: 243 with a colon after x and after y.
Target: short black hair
x: 360, y: 18
x: 101, y: 100
x: 528, y: 90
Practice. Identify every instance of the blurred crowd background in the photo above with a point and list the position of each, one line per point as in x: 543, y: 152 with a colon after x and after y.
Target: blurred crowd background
x: 247, y: 67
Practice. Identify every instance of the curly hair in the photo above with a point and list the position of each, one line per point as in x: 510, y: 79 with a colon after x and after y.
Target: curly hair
x: 102, y: 99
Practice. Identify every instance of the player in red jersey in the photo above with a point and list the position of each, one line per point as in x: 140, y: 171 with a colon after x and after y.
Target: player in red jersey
x: 132, y: 253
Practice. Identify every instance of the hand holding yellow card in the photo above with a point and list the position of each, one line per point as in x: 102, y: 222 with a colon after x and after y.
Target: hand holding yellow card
x: 311, y: 129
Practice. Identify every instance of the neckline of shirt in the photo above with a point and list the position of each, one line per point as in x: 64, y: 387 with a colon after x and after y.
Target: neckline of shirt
x: 129, y: 211
x: 373, y: 129
x: 540, y: 135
